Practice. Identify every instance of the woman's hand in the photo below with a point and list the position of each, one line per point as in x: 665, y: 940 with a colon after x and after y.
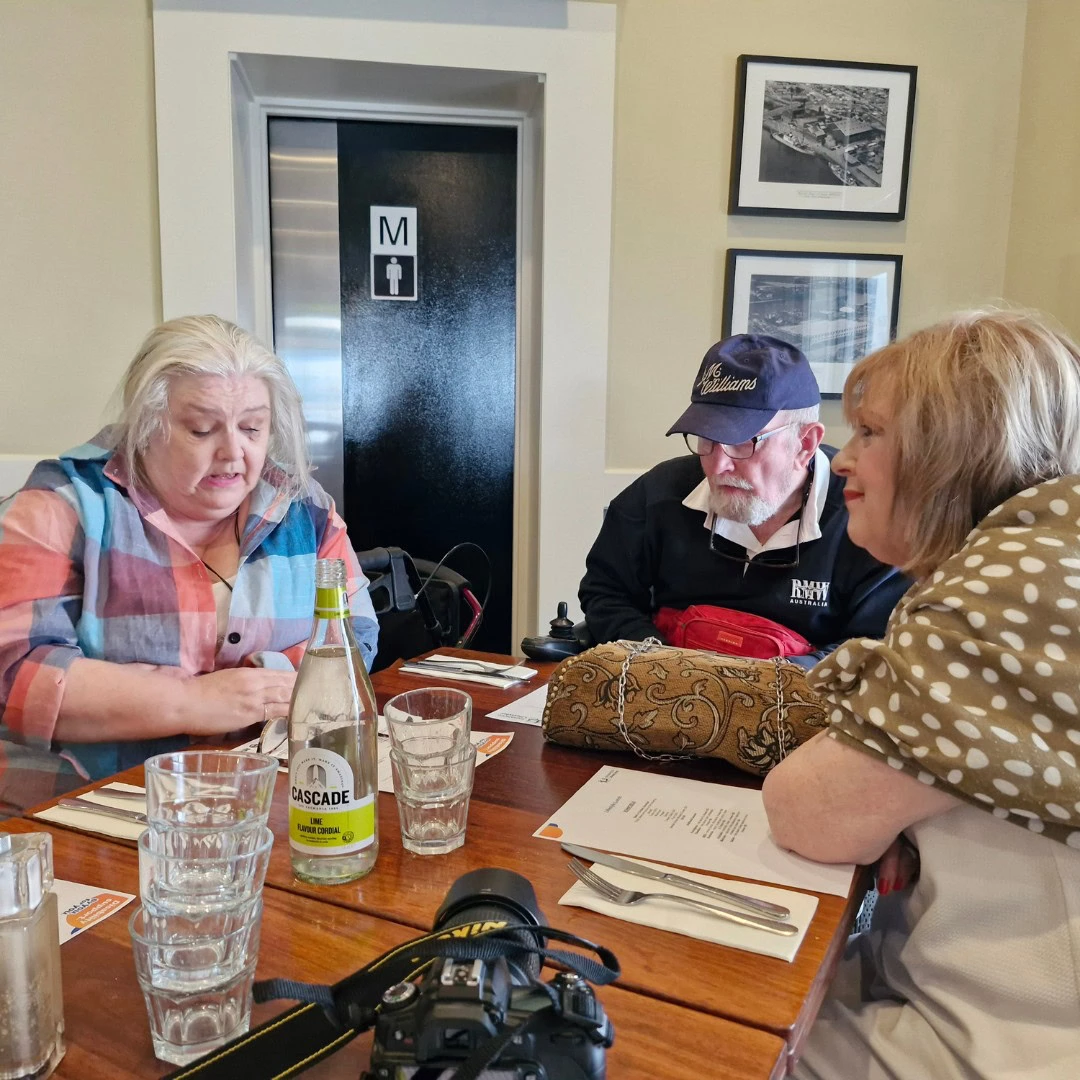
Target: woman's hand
x: 234, y: 698
x: 106, y: 702
x: 898, y: 867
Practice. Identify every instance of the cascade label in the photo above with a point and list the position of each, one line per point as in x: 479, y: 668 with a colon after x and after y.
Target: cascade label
x: 324, y: 816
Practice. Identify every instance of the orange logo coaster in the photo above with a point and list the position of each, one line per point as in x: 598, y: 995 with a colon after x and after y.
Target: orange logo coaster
x: 93, y: 910
x: 494, y: 743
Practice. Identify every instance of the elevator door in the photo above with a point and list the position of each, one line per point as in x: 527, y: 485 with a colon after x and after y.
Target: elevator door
x: 428, y: 385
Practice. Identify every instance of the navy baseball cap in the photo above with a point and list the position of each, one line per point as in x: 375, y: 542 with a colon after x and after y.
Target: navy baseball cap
x: 743, y: 382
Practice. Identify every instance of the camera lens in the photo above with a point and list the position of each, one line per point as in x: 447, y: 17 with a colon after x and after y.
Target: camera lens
x: 492, y: 894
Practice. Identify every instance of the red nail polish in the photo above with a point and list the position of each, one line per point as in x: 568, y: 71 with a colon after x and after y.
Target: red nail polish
x: 883, y: 887
x: 898, y: 885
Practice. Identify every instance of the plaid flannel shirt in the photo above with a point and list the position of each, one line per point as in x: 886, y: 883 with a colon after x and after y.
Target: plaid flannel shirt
x: 91, y: 568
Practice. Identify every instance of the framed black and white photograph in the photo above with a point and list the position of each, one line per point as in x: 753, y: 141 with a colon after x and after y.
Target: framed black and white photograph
x: 821, y: 138
x: 836, y: 307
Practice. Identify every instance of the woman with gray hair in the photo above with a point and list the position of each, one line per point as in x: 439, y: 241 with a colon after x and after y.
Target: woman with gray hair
x: 157, y: 583
x: 952, y: 751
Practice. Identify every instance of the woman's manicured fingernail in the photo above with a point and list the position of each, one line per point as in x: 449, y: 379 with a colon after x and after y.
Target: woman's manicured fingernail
x: 883, y: 887
x: 898, y: 885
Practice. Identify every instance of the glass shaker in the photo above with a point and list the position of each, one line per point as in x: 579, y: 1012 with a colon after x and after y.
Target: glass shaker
x: 31, y: 1004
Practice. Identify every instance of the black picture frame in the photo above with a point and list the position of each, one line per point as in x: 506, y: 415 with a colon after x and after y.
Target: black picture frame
x: 835, y: 306
x: 822, y: 138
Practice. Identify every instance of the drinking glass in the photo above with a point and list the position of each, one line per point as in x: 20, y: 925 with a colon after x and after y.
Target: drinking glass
x: 196, y: 871
x: 432, y: 793
x: 432, y: 712
x: 196, y: 974
x: 209, y: 789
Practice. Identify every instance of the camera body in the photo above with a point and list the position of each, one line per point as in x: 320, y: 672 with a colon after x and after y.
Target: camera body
x: 479, y: 1008
x: 562, y: 1031
x: 463, y: 1004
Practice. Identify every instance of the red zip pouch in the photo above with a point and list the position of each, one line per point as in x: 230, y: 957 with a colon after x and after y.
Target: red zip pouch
x: 724, y: 630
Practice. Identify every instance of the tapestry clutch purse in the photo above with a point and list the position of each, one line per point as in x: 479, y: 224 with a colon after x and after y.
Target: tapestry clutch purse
x: 669, y: 703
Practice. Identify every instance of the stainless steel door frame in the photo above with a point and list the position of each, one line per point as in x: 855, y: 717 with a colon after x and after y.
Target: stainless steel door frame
x: 306, y: 280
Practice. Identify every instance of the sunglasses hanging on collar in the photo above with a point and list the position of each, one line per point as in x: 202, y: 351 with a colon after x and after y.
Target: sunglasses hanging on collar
x: 779, y: 562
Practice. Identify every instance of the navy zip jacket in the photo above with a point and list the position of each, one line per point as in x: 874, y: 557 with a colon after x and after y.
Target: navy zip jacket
x: 653, y: 552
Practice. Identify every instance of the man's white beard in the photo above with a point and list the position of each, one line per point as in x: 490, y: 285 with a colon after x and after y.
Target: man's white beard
x: 738, y: 504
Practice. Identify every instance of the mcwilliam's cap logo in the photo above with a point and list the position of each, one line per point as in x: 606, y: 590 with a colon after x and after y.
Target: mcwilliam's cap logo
x: 714, y: 381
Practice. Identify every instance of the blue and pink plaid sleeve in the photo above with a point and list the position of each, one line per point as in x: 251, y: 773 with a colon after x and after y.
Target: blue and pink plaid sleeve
x: 41, y: 589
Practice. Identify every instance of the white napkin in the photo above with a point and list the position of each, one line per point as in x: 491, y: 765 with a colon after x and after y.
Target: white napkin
x: 504, y: 679
x: 88, y: 821
x: 680, y: 919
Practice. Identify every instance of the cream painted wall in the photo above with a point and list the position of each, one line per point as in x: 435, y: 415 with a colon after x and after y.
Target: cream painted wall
x: 1043, y: 268
x: 80, y: 276
x: 78, y: 217
x: 674, y: 105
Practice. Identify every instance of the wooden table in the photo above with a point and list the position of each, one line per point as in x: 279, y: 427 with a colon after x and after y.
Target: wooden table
x: 670, y: 984
x: 108, y: 1037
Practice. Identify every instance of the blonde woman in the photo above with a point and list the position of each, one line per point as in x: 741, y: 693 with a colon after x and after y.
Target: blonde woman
x: 959, y: 731
x: 158, y: 582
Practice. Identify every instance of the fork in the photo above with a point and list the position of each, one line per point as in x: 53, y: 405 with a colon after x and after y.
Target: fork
x: 612, y: 893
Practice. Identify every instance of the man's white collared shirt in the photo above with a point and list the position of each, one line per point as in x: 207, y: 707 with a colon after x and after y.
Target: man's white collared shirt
x: 784, y: 537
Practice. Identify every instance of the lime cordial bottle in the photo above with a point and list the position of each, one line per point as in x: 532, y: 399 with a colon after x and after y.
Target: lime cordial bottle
x: 333, y: 758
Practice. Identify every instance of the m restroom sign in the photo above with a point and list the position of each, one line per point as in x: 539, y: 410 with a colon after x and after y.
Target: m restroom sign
x: 393, y: 253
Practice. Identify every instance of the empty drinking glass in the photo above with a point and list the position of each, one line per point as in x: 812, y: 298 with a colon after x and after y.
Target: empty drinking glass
x: 199, y: 871
x: 431, y: 711
x: 209, y: 789
x: 432, y: 793
x: 196, y: 974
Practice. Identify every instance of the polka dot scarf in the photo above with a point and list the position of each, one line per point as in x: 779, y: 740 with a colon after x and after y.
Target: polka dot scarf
x: 976, y: 684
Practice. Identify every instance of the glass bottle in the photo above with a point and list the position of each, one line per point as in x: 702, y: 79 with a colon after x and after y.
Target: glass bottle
x: 333, y: 756
x: 31, y: 1000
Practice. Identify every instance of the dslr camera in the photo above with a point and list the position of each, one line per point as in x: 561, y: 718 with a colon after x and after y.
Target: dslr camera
x: 534, y: 1030
x: 479, y: 1012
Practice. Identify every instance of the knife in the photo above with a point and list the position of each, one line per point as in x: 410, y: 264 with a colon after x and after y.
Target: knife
x: 492, y: 672
x: 750, y: 903
x: 451, y: 673
x: 120, y: 793
x: 488, y: 667
x: 100, y: 808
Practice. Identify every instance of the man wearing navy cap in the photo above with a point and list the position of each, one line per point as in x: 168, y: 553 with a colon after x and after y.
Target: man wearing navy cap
x: 750, y: 520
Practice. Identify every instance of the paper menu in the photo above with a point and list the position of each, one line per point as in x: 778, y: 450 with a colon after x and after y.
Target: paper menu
x: 487, y: 743
x: 526, y: 710
x: 686, y: 823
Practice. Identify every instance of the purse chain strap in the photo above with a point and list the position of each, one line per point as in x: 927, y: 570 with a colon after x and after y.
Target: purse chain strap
x: 635, y: 649
x: 781, y: 710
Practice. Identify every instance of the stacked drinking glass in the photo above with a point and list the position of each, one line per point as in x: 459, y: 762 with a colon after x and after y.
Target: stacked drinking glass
x: 202, y: 864
x: 432, y: 759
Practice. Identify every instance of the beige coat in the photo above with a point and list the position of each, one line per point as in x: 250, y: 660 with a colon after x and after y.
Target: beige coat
x: 972, y: 973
